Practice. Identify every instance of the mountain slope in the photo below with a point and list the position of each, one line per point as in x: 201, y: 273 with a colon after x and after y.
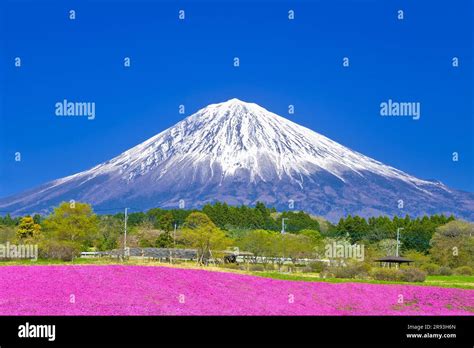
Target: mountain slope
x: 239, y: 153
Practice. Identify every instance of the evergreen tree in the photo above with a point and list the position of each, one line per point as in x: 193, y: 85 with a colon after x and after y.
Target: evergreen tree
x: 165, y: 222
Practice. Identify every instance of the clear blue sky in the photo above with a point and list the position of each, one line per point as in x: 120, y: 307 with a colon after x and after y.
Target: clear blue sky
x: 190, y: 62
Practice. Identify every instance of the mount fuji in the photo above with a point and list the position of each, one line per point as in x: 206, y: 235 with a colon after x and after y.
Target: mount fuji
x: 239, y: 152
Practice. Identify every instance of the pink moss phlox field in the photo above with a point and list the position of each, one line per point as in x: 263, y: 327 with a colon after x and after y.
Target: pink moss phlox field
x: 142, y: 290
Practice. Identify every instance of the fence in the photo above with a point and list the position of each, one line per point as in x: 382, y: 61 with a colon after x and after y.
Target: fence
x: 150, y: 253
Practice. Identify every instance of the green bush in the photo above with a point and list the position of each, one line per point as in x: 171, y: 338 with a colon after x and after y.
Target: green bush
x: 257, y: 268
x: 430, y: 268
x: 413, y: 274
x: 463, y: 270
x: 306, y: 269
x: 61, y: 250
x: 351, y: 271
x: 7, y: 234
x: 230, y: 265
x: 419, y: 258
x: 317, y: 267
x: 270, y: 267
x: 445, y: 271
x: 392, y: 274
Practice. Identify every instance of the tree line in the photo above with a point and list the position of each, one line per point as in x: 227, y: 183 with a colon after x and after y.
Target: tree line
x: 431, y: 241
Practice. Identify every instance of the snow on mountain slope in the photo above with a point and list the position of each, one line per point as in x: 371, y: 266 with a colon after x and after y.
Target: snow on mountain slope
x: 240, y: 152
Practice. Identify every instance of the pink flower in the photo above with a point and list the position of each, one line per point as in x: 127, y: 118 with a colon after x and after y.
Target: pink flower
x: 142, y: 290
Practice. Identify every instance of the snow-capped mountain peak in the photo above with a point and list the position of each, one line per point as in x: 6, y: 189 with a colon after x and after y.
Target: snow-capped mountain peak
x: 237, y: 135
x: 240, y: 152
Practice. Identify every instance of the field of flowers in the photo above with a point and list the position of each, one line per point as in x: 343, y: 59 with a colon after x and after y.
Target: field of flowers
x: 142, y: 290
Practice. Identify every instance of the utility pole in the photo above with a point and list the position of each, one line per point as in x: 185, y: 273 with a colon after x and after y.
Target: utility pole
x: 398, y: 237
x: 174, y: 234
x: 125, y: 235
x: 174, y: 243
x: 283, y: 225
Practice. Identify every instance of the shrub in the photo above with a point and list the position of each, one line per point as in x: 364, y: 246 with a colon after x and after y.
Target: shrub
x: 356, y: 270
x: 413, y: 274
x: 446, y: 271
x: 419, y: 258
x: 230, y: 265
x: 62, y: 250
x: 317, y: 267
x: 393, y: 274
x: 430, y: 268
x: 306, y: 269
x: 463, y: 270
x: 257, y: 268
x: 7, y: 234
x: 269, y: 267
